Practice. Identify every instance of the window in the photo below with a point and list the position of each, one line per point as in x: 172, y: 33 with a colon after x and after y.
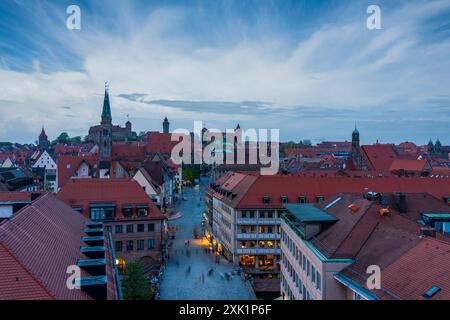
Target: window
x: 270, y: 214
x: 140, y: 244
x: 151, y: 243
x: 308, y: 268
x: 127, y: 212
x: 130, y: 228
x: 313, y: 274
x: 284, y: 199
x: 118, y: 246
x: 108, y: 229
x: 319, y: 281
x: 119, y: 228
x: 266, y: 199
x: 304, y: 263
x: 100, y: 213
x: 151, y: 227
x: 140, y: 227
x: 320, y: 199
x: 142, y: 212
x: 130, y: 245
x: 68, y: 166
x: 302, y: 199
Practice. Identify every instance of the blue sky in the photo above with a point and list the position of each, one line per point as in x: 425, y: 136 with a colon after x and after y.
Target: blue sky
x: 310, y: 68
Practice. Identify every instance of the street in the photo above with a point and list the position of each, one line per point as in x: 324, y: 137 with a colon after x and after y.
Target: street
x: 188, y: 274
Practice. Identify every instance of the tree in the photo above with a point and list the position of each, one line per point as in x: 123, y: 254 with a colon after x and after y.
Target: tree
x: 62, y: 138
x: 135, y: 286
x: 76, y: 139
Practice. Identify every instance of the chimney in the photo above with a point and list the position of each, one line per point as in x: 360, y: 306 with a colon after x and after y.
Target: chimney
x: 400, y: 201
x: 427, y: 232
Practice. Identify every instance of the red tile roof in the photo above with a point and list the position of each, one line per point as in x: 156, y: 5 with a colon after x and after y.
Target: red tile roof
x: 408, y: 165
x: 16, y: 282
x: 379, y: 156
x: 15, y: 196
x: 79, y: 193
x: 425, y: 265
x: 44, y: 238
x: 294, y: 186
x: 128, y: 151
x: 158, y: 142
x: 67, y: 165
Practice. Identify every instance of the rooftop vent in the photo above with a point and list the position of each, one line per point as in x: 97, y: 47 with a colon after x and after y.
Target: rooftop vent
x: 400, y: 202
x: 427, y: 232
x: 431, y: 292
x: 383, y: 212
x: 353, y: 208
x: 372, y: 195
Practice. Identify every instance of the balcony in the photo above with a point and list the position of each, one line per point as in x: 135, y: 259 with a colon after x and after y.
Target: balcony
x: 259, y: 236
x: 260, y: 221
x: 257, y: 251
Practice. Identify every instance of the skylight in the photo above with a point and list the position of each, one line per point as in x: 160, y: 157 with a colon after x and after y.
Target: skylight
x: 431, y: 292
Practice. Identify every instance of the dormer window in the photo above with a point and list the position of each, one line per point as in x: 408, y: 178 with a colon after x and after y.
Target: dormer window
x: 320, y: 199
x: 302, y: 199
x: 266, y: 200
x: 284, y: 199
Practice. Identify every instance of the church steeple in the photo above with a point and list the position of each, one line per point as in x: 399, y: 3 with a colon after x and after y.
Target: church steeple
x: 166, y: 125
x: 106, y: 112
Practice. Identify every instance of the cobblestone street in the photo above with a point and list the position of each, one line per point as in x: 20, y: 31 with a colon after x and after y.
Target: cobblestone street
x: 186, y: 275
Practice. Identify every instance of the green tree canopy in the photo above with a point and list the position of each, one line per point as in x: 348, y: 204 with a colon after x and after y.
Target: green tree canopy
x: 134, y: 284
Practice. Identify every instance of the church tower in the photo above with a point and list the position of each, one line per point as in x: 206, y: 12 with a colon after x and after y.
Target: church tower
x: 43, y: 140
x: 356, y: 155
x: 166, y: 125
x: 106, y: 128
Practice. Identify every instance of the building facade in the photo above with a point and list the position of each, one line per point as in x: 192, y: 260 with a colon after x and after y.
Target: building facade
x: 126, y: 211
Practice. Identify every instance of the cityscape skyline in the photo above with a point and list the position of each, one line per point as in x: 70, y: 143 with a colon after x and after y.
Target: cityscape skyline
x: 312, y: 70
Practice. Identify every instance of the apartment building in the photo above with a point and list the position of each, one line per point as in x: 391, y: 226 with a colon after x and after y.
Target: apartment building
x: 327, y: 249
x: 126, y: 211
x: 243, y: 212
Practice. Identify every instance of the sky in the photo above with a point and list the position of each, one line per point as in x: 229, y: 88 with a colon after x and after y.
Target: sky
x: 311, y: 69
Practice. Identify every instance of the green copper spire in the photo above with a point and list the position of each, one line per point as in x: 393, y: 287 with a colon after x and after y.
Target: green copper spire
x: 106, y: 113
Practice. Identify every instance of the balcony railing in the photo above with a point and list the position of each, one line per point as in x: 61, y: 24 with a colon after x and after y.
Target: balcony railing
x: 259, y: 221
x: 258, y: 251
x: 263, y: 236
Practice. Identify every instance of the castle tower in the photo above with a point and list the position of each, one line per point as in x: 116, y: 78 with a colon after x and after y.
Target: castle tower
x: 166, y: 125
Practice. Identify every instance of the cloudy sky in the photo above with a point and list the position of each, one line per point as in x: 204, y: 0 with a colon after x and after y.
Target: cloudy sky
x: 310, y: 68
